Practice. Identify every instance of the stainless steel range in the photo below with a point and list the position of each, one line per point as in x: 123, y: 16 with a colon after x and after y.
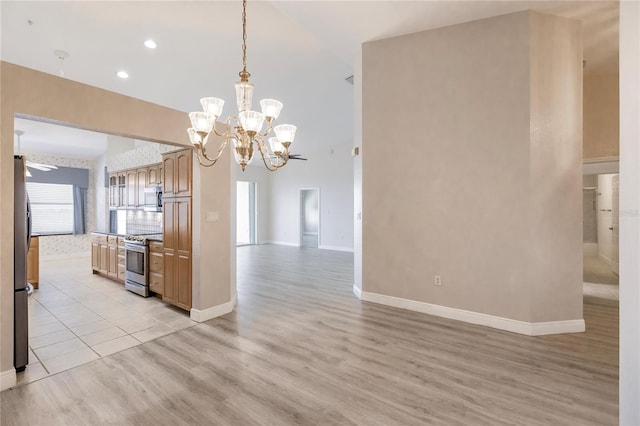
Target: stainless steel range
x: 136, y: 264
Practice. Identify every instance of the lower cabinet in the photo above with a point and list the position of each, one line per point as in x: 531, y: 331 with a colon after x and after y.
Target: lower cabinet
x: 112, y: 246
x: 177, y: 251
x: 33, y: 262
x: 121, y: 260
x: 156, y: 268
x: 107, y: 256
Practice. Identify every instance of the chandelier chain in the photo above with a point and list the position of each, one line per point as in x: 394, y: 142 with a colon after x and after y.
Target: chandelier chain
x: 244, y: 35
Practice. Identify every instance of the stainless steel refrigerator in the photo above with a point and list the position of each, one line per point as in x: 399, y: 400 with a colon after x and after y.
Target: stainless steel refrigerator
x: 21, y: 241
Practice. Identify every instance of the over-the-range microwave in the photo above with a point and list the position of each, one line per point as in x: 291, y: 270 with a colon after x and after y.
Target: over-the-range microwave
x: 153, y: 199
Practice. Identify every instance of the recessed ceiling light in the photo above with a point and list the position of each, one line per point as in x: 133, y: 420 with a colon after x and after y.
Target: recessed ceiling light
x: 122, y: 74
x: 150, y: 44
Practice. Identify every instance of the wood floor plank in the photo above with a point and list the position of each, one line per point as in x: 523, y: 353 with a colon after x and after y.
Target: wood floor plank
x: 300, y: 349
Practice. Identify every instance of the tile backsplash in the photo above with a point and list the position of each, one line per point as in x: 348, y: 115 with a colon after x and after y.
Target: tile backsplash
x: 141, y: 222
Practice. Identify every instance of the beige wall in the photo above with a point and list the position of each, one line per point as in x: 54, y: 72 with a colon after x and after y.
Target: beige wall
x: 32, y: 93
x: 555, y: 169
x: 454, y: 133
x: 601, y: 116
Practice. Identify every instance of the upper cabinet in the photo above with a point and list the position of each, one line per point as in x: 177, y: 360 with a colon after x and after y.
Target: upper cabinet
x: 126, y: 188
x: 153, y: 175
x: 177, y: 168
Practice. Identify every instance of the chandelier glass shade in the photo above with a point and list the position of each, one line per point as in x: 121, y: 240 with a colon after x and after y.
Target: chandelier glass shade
x: 244, y: 131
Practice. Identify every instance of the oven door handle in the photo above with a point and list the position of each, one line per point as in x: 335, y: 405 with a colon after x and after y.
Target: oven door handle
x: 135, y: 249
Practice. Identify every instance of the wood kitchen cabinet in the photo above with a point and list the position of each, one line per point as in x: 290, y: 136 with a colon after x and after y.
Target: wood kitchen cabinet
x: 108, y: 256
x: 132, y: 189
x: 99, y: 253
x: 126, y: 188
x: 177, y: 251
x: 112, y: 261
x: 121, y: 260
x: 153, y: 175
x: 141, y: 175
x: 156, y: 267
x: 177, y: 173
x: 33, y: 262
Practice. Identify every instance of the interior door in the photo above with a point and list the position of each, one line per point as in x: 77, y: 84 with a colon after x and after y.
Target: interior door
x: 615, y: 224
x: 309, y: 217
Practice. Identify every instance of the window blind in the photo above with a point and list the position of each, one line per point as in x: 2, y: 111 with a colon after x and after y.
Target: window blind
x: 51, y: 208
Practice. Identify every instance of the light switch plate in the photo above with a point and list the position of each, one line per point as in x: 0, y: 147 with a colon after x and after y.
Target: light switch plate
x: 213, y: 216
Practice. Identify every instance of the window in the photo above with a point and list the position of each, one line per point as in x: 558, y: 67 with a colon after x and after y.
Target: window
x: 51, y: 208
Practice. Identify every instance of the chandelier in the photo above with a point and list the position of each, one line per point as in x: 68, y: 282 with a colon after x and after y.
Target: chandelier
x: 247, y: 126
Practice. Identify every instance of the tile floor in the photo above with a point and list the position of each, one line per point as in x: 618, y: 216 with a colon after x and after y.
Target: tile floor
x: 76, y: 317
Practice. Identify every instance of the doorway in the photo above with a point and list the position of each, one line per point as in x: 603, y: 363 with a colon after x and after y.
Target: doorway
x: 601, y: 234
x: 246, y: 213
x: 310, y: 217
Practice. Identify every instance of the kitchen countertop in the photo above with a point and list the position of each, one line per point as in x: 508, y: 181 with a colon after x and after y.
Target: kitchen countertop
x: 108, y: 233
x: 150, y: 237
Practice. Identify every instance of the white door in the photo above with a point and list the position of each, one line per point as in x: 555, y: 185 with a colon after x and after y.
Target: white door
x: 615, y: 224
x: 309, y: 217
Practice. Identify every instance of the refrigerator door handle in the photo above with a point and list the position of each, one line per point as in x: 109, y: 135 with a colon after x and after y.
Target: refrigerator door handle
x: 28, y: 223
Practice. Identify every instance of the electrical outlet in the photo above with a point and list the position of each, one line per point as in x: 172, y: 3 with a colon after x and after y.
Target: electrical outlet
x: 437, y: 280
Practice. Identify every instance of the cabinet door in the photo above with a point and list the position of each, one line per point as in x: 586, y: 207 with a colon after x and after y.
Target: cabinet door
x: 122, y: 189
x: 142, y: 184
x: 132, y: 188
x: 33, y: 263
x: 113, y: 190
x: 152, y: 176
x: 155, y: 262
x: 182, y: 175
x: 156, y: 282
x: 168, y: 224
x: 104, y: 259
x: 168, y: 169
x: 183, y: 269
x: 95, y: 256
x: 182, y: 225
x: 121, y: 269
x: 169, y: 287
x: 113, y: 261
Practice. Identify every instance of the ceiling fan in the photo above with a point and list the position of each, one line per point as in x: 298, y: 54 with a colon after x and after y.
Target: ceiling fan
x: 296, y: 157
x: 37, y: 166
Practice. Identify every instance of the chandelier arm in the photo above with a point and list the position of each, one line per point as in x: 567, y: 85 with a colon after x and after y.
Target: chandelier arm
x: 202, y: 158
x: 268, y: 130
x: 227, y: 133
x: 201, y: 151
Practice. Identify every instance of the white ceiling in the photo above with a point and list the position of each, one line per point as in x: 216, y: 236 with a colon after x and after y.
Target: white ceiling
x: 45, y: 138
x: 299, y: 52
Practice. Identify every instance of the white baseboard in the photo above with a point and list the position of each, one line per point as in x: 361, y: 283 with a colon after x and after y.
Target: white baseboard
x: 213, y: 312
x: 336, y: 248
x: 282, y: 243
x: 501, y: 323
x: 590, y: 249
x: 357, y: 291
x: 8, y: 379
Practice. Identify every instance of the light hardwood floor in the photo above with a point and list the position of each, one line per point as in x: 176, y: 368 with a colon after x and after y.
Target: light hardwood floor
x: 301, y: 349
